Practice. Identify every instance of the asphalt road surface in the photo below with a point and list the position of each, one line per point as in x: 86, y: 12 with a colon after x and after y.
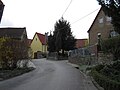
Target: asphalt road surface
x: 49, y: 75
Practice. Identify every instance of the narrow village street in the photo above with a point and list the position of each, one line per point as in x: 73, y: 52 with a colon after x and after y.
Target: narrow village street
x: 49, y: 75
x: 60, y: 45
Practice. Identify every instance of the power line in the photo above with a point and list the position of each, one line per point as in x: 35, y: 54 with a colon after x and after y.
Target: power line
x: 81, y: 18
x: 67, y: 8
x: 85, y: 16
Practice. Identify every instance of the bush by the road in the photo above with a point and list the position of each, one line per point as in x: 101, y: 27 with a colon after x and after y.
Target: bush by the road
x: 107, y: 76
x: 112, y: 45
x: 12, y: 51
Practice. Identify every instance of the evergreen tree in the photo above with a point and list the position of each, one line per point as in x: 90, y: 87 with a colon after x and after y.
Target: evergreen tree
x: 51, y: 43
x: 64, y: 40
x: 112, y: 8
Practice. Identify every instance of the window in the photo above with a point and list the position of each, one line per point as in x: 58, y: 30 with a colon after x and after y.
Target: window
x: 108, y: 19
x: 101, y: 20
x: 113, y: 34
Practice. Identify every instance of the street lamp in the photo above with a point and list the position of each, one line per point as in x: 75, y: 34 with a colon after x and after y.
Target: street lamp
x: 99, y: 41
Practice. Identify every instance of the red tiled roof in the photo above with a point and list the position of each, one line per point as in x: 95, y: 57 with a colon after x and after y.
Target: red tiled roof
x: 41, y: 37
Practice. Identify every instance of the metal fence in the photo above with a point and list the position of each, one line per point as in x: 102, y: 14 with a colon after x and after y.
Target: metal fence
x: 84, y: 56
x: 86, y: 51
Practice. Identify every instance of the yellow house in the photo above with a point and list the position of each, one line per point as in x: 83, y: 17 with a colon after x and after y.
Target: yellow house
x: 38, y: 45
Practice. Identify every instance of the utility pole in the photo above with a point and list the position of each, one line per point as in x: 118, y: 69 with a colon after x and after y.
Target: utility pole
x: 46, y: 41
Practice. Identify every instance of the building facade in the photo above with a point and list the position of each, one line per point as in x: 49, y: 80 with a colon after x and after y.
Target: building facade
x: 100, y: 29
x: 38, y: 45
x: 80, y: 43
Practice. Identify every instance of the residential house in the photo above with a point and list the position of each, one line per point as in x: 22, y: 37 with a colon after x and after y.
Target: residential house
x: 18, y: 40
x: 100, y: 29
x: 80, y: 43
x: 14, y: 33
x: 38, y: 45
x: 1, y: 9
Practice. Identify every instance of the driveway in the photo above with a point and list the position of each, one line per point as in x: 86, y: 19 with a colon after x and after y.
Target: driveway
x: 49, y: 75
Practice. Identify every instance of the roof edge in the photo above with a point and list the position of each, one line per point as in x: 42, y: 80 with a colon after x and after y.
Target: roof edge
x: 13, y: 27
x: 94, y: 20
x: 38, y: 37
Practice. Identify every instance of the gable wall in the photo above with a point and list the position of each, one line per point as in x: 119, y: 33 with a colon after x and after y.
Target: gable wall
x: 24, y: 35
x: 97, y: 27
x: 36, y: 45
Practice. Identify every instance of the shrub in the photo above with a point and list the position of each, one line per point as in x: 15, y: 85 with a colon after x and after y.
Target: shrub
x: 98, y: 67
x: 11, y: 51
x: 107, y: 76
x: 104, y: 81
x: 112, y: 45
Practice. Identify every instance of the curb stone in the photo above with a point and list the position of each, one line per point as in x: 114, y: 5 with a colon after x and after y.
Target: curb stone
x: 96, y: 84
x: 87, y: 76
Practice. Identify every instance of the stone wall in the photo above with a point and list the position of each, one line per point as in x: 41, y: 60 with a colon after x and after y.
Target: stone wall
x: 87, y: 60
x: 104, y: 58
x: 55, y: 56
x: 91, y: 60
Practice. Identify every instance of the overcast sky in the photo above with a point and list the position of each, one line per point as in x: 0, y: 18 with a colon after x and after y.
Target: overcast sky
x: 41, y: 15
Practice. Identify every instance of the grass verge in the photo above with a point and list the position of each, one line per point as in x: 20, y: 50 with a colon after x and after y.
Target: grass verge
x: 7, y: 74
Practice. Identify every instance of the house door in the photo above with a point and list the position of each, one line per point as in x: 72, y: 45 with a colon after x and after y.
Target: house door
x: 35, y: 55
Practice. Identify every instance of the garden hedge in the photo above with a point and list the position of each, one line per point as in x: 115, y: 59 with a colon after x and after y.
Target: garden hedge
x: 104, y: 81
